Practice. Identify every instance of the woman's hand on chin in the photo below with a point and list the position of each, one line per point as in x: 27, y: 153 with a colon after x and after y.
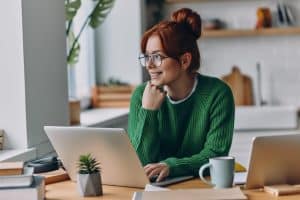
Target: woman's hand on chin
x: 161, y: 170
x: 153, y: 97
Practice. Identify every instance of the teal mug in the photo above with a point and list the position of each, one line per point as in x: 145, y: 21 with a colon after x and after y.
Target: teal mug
x: 221, y: 172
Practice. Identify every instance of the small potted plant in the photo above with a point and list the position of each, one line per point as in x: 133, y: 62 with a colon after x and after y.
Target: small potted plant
x: 88, y: 177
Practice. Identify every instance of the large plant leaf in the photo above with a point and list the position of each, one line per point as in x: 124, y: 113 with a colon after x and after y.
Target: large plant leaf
x: 71, y: 7
x: 100, y: 11
x: 73, y: 56
x: 73, y: 52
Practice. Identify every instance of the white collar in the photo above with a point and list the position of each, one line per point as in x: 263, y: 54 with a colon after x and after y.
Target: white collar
x: 190, y: 94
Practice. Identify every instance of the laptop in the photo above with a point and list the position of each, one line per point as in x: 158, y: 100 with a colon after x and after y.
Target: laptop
x: 273, y: 160
x: 120, y: 165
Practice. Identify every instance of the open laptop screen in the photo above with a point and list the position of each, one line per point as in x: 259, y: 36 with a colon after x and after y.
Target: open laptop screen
x: 274, y: 160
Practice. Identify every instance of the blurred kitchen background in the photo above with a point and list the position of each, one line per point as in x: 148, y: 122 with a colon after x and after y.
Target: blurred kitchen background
x: 260, y: 38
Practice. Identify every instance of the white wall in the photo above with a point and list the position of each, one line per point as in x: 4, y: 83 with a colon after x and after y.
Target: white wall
x: 279, y: 55
x: 12, y: 99
x: 45, y: 69
x: 33, y: 73
x: 118, y: 43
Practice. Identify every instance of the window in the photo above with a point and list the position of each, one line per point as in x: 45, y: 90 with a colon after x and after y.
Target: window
x: 82, y: 76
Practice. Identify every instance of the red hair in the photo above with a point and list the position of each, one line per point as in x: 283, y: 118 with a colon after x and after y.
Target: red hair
x: 178, y: 36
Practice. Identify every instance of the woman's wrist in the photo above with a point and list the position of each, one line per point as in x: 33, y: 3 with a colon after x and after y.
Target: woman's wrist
x: 150, y: 107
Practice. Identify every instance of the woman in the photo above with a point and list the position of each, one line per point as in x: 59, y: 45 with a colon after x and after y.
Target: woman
x: 179, y: 119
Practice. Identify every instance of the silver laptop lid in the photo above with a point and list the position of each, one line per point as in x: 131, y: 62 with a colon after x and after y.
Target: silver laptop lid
x: 274, y: 160
x: 119, y: 162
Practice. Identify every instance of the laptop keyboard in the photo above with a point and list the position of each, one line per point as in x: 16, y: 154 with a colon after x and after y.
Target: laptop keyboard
x: 169, y: 181
x: 153, y: 179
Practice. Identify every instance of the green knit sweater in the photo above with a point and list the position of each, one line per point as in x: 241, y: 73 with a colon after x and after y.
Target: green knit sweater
x: 184, y: 135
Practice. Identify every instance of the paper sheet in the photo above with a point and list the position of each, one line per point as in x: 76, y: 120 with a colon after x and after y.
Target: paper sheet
x: 193, y: 194
x: 148, y: 187
x: 240, y: 178
x: 152, y: 188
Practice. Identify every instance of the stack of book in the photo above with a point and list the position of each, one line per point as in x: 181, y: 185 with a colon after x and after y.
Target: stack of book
x: 18, y: 182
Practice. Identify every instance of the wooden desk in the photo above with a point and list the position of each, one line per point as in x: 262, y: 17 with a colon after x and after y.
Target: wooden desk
x: 67, y: 191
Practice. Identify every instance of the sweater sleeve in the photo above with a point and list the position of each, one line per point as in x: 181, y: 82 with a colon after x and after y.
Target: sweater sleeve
x: 218, y: 138
x: 143, y: 129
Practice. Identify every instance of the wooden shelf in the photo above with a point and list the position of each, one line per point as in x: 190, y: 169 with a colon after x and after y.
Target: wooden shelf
x: 250, y: 32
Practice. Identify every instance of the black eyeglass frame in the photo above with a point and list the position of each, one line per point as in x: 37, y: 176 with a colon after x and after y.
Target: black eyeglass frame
x: 142, y: 56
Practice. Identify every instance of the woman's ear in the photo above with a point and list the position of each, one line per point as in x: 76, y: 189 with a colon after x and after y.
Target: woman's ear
x: 185, y: 60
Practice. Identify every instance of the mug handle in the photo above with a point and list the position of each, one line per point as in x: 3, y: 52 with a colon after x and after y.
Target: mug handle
x: 202, y: 168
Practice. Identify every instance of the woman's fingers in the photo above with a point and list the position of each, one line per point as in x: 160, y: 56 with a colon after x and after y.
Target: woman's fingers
x: 152, y: 97
x: 160, y: 169
x: 159, y: 88
x: 162, y: 175
x: 149, y: 168
x: 165, y: 170
x: 154, y: 172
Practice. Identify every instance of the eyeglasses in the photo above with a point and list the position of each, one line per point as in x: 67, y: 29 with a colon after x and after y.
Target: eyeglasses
x: 156, y: 59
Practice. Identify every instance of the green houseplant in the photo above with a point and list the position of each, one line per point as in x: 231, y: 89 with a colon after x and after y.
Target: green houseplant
x: 96, y: 16
x: 94, y: 19
x: 88, y: 178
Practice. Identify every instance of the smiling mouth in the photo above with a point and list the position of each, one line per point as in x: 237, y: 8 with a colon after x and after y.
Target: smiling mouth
x: 155, y: 75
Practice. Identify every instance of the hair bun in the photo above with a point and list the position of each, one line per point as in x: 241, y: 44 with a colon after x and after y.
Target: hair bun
x: 189, y: 18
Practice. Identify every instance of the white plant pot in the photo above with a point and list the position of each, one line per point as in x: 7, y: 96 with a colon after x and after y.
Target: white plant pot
x: 89, y: 184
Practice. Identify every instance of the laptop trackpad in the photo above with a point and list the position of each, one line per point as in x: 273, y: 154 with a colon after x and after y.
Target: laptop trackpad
x: 169, y: 181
